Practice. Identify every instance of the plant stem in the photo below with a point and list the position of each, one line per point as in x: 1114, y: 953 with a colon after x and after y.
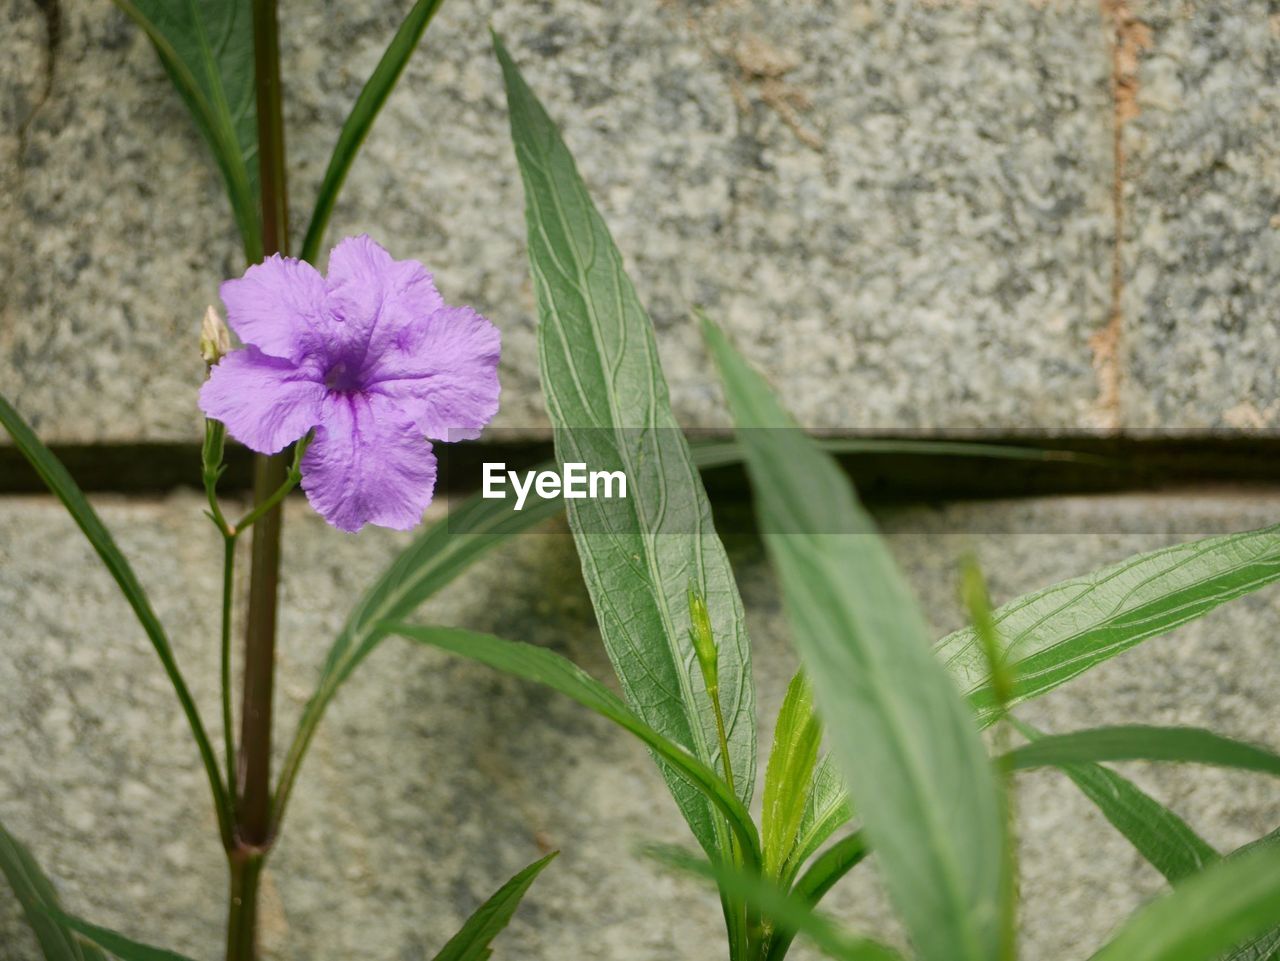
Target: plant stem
x: 228, y: 589
x: 271, y: 167
x: 259, y: 661
x: 748, y: 945
x: 211, y: 459
x: 724, y: 740
x: 289, y: 483
x: 253, y: 812
x: 242, y: 916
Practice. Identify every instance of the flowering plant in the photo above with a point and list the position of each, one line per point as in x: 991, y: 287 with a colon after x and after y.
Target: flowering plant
x: 365, y: 364
x: 362, y: 369
x: 358, y: 371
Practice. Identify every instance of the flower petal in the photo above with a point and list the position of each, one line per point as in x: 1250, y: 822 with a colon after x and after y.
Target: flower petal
x: 368, y: 465
x: 266, y: 402
x: 375, y: 299
x: 278, y: 306
x: 443, y: 373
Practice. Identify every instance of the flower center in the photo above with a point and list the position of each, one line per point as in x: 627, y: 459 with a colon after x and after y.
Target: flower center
x: 341, y: 379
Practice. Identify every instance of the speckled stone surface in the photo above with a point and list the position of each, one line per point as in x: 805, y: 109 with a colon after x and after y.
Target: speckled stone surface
x: 901, y: 211
x: 1202, y: 194
x: 434, y: 779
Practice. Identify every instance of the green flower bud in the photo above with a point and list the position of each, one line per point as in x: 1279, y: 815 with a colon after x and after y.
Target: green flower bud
x: 704, y: 642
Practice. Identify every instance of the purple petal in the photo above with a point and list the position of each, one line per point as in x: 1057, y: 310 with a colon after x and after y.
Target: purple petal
x: 368, y: 465
x: 266, y: 402
x: 278, y: 306
x: 375, y: 299
x: 443, y: 373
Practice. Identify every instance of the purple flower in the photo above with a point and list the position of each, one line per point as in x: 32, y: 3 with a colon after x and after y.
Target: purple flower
x: 373, y: 359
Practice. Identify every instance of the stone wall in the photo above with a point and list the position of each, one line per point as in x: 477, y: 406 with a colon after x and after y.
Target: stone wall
x: 434, y: 779
x: 1039, y: 214
x: 943, y: 214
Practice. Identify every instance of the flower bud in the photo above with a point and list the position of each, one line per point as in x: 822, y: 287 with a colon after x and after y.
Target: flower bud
x: 215, y: 339
x: 704, y: 643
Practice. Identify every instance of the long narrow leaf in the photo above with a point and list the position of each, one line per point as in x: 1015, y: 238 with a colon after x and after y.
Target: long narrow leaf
x: 547, y: 667
x: 830, y: 866
x: 448, y: 546
x: 471, y: 943
x: 787, y: 779
x: 356, y: 127
x: 60, y: 483
x: 826, y: 811
x: 1139, y: 742
x: 39, y: 903
x: 1159, y: 835
x: 1264, y: 946
x: 1228, y: 903
x: 608, y: 401
x: 207, y: 49
x: 126, y: 949
x: 917, y: 768
x: 1050, y: 636
x: 786, y: 911
x: 821, y: 876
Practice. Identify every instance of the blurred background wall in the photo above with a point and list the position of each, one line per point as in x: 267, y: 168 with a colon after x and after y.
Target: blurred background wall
x: 1039, y: 217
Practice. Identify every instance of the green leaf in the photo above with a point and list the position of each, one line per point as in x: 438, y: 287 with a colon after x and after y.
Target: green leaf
x: 206, y: 46
x: 826, y: 810
x: 1265, y: 946
x: 787, y: 777
x: 1052, y: 635
x: 830, y: 866
x: 821, y: 876
x: 374, y: 94
x: 1140, y: 742
x: 117, y: 944
x: 786, y: 911
x: 471, y: 943
x: 39, y: 902
x: 448, y: 546
x: 608, y: 401
x: 546, y: 667
x: 1228, y: 903
x: 1160, y: 836
x: 60, y: 483
x: 918, y: 772
x: 973, y: 590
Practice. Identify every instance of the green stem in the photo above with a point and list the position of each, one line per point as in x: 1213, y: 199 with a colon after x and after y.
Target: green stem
x: 212, y: 468
x: 228, y: 589
x: 748, y: 941
x: 714, y: 693
x: 214, y: 437
x: 290, y: 482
